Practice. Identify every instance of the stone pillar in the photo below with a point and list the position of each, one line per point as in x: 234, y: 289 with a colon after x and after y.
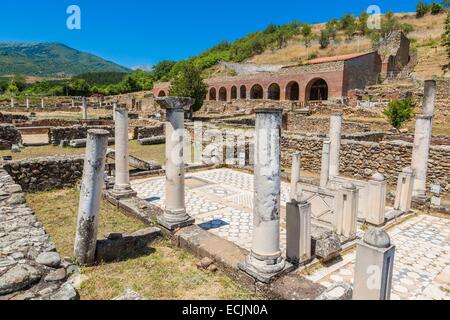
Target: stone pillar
x: 374, y: 266
x: 42, y: 104
x: 376, y: 204
x: 122, y: 186
x: 429, y: 98
x: 175, y: 215
x: 403, y: 194
x: 325, y: 169
x: 198, y: 142
x: 346, y: 211
x: 73, y: 103
x: 421, y: 152
x: 90, y: 196
x: 298, y: 233
x: 12, y: 103
x: 335, y: 147
x: 265, y: 260
x: 85, y: 109
x: 114, y: 110
x: 27, y: 102
x: 295, y: 176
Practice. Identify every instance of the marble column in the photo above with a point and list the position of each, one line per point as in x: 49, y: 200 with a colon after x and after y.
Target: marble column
x: 114, y: 110
x: 298, y: 232
x: 122, y: 186
x: 27, y: 102
x: 429, y: 99
x: 12, y: 103
x: 175, y: 215
x: 73, y: 103
x: 403, y: 194
x: 42, y: 104
x: 295, y: 175
x: 325, y: 168
x: 346, y: 211
x: 90, y: 196
x: 335, y: 147
x: 265, y: 260
x: 421, y: 153
x: 85, y: 109
x: 376, y: 204
x: 374, y: 266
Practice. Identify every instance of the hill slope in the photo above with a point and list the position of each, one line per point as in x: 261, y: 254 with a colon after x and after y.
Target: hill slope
x: 50, y: 60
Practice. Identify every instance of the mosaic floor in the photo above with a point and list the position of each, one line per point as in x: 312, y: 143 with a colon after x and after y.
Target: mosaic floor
x: 221, y: 201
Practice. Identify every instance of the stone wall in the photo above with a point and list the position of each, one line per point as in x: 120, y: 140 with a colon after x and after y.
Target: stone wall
x: 298, y: 122
x: 30, y: 267
x: 10, y: 118
x: 56, y: 135
x: 9, y: 135
x: 149, y: 132
x: 48, y: 173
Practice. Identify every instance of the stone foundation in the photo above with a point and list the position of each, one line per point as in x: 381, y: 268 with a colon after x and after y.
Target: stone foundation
x: 56, y: 135
x: 10, y: 135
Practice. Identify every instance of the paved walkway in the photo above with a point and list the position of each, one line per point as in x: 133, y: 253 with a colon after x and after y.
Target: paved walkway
x: 221, y: 201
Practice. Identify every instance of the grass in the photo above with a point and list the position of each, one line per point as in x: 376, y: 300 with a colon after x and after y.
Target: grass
x: 167, y: 273
x: 155, y: 152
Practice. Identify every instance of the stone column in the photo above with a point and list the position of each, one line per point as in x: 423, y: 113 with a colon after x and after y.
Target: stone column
x: 403, y: 194
x: 175, y: 215
x: 85, y: 109
x: 346, y: 211
x: 122, y: 186
x: 198, y: 142
x: 429, y: 98
x: 325, y: 169
x: 335, y: 147
x: 90, y: 196
x: 376, y: 204
x: 374, y: 266
x: 12, y: 103
x: 421, y: 152
x: 265, y: 260
x: 114, y: 110
x: 73, y: 103
x: 42, y: 104
x: 298, y: 232
x: 295, y: 176
x: 27, y: 102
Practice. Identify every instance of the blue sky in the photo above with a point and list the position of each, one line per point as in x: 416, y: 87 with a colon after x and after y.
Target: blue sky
x: 143, y: 32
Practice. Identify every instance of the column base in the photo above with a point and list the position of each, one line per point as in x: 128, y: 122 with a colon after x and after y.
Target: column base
x: 265, y: 271
x: 122, y: 194
x: 171, y: 222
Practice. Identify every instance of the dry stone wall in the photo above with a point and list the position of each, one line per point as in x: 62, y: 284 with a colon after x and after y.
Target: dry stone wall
x: 9, y: 135
x: 48, y: 173
x: 56, y: 135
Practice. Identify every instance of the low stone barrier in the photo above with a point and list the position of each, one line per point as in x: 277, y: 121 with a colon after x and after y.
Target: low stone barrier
x: 11, y: 118
x: 56, y: 135
x: 43, y: 174
x: 9, y: 133
x: 150, y: 132
x: 30, y: 267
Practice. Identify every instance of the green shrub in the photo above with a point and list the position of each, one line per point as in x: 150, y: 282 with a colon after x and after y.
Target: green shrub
x: 399, y: 111
x: 422, y: 9
x: 436, y: 8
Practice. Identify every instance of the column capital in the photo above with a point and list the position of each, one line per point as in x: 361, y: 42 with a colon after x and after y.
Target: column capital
x: 98, y: 132
x: 268, y: 110
x: 175, y: 103
x: 377, y: 238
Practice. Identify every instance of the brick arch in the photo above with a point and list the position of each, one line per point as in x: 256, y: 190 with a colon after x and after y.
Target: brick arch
x: 212, y: 94
x: 223, y: 94
x: 257, y: 92
x: 317, y: 89
x: 243, y: 92
x: 292, y: 91
x: 234, y: 93
x: 274, y: 91
x: 162, y: 93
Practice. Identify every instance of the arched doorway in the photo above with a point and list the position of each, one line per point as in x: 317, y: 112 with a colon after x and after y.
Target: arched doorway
x: 256, y: 92
x: 317, y: 90
x: 243, y: 92
x: 293, y: 91
x: 223, y: 94
x: 233, y: 93
x: 274, y: 92
x: 212, y: 94
x: 162, y: 93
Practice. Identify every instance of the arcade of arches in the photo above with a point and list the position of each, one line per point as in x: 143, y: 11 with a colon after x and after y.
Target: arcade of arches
x: 316, y: 90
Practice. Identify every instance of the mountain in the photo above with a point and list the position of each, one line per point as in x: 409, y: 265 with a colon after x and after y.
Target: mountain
x: 50, y: 60
x: 146, y: 68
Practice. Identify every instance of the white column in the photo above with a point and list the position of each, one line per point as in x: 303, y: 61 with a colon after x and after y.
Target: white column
x: 265, y: 260
x: 122, y: 186
x: 298, y: 232
x: 376, y: 204
x: 374, y: 266
x: 429, y: 98
x: 73, y: 103
x: 27, y: 102
x: 421, y: 152
x: 85, y: 109
x: 114, y: 110
x: 12, y: 103
x: 42, y: 104
x: 295, y: 175
x: 175, y: 215
x: 90, y: 196
x: 346, y: 211
x: 403, y: 194
x: 198, y: 142
x: 325, y: 169
x: 335, y: 147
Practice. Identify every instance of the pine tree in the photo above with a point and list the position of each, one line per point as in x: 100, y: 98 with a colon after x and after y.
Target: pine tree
x: 446, y: 35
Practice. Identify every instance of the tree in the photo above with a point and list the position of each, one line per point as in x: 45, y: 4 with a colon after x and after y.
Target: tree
x: 306, y: 32
x: 332, y: 26
x: 162, y: 70
x: 362, y: 22
x: 348, y: 20
x: 436, y: 8
x: 422, y: 9
x: 446, y: 35
x: 188, y: 82
x: 399, y: 111
x: 324, y: 39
